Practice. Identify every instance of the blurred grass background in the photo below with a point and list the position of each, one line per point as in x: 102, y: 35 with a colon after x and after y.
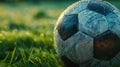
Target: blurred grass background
x: 26, y: 32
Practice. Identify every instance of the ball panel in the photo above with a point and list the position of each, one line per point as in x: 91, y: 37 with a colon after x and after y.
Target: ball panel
x: 79, y: 48
x: 71, y: 53
x: 83, y: 17
x: 92, y: 23
x: 113, y: 18
x: 106, y: 46
x: 68, y: 26
x: 114, y: 22
x: 71, y: 43
x: 100, y: 7
x: 67, y: 47
x: 84, y: 48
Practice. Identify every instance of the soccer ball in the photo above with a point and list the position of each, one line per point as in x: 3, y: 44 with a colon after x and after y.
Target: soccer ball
x: 87, y: 34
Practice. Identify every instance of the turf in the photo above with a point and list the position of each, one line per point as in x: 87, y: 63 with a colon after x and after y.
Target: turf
x: 26, y: 34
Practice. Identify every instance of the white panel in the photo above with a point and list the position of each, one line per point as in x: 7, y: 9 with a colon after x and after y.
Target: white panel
x: 114, y: 22
x: 92, y: 23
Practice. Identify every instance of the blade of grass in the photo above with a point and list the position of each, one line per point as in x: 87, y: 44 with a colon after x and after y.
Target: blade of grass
x: 23, y: 55
x: 6, y: 57
x: 13, y: 54
x: 30, y: 54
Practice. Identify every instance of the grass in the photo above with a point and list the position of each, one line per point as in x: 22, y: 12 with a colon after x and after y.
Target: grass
x: 26, y: 37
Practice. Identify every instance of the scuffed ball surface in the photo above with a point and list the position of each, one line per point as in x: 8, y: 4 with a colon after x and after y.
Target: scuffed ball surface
x: 87, y: 34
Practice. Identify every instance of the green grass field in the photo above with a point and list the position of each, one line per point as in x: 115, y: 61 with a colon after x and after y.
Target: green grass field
x: 26, y: 34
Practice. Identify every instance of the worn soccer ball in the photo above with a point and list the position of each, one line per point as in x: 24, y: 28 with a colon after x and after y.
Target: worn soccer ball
x: 87, y: 34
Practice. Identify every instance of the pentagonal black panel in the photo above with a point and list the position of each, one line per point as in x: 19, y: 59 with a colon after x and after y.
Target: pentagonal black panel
x: 106, y: 45
x: 68, y: 63
x: 68, y: 26
x: 100, y: 7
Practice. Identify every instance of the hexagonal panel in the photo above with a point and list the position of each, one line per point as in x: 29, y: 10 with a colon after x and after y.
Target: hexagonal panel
x: 92, y: 23
x: 106, y: 45
x: 68, y: 26
x: 79, y: 48
x: 100, y: 7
